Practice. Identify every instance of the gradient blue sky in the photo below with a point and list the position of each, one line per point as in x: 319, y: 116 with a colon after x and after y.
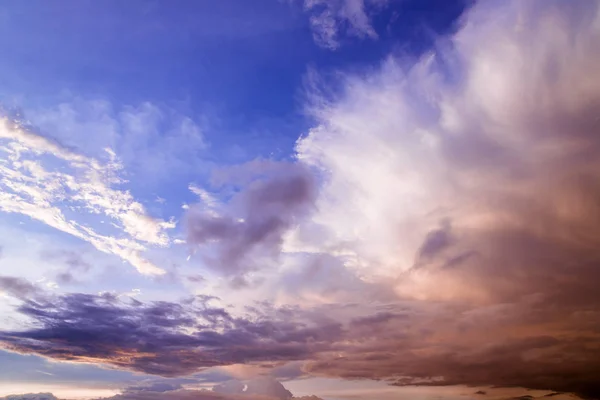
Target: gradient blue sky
x: 362, y: 185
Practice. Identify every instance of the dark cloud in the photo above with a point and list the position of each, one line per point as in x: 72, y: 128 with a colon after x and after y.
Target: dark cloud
x: 427, y: 343
x: 162, y: 338
x: 30, y: 396
x: 18, y: 287
x: 249, y: 233
x: 436, y: 241
x: 432, y: 347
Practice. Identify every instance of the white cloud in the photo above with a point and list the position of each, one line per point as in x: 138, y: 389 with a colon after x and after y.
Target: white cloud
x: 330, y: 19
x: 487, y: 135
x: 66, y: 190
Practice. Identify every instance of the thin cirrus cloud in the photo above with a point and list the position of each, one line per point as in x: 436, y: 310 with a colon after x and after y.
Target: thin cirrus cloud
x: 331, y: 20
x: 150, y: 141
x: 45, y: 181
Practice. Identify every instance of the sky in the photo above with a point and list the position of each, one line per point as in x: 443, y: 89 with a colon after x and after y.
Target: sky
x: 307, y: 199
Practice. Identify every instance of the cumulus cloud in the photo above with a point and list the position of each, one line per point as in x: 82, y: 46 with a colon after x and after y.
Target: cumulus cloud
x: 262, y: 386
x: 183, y: 395
x: 50, y: 183
x: 469, y: 181
x: 255, y: 389
x: 494, y: 136
x: 477, y: 186
x: 331, y: 19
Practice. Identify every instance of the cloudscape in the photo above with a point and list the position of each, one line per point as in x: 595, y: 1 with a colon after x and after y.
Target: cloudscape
x: 300, y: 199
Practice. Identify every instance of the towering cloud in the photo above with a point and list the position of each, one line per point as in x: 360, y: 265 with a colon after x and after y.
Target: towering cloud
x: 472, y: 161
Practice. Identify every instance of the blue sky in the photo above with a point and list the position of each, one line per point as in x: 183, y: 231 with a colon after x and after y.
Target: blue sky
x: 341, y: 195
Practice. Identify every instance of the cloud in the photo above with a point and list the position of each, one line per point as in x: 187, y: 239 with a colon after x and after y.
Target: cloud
x: 472, y: 181
x: 261, y: 388
x: 465, y: 185
x: 163, y: 338
x: 247, y: 232
x: 409, y: 342
x: 462, y: 139
x: 151, y: 395
x: 75, y: 264
x: 66, y: 190
x: 184, y: 395
x: 150, y: 141
x: 330, y: 19
x: 264, y: 386
x: 30, y: 396
x: 18, y: 287
x: 159, y: 387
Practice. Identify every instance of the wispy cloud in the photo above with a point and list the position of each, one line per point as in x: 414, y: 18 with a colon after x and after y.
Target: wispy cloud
x: 65, y: 190
x: 330, y: 20
x: 150, y: 141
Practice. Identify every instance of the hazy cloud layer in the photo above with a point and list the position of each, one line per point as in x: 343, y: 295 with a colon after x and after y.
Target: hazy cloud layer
x: 262, y: 388
x: 150, y: 141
